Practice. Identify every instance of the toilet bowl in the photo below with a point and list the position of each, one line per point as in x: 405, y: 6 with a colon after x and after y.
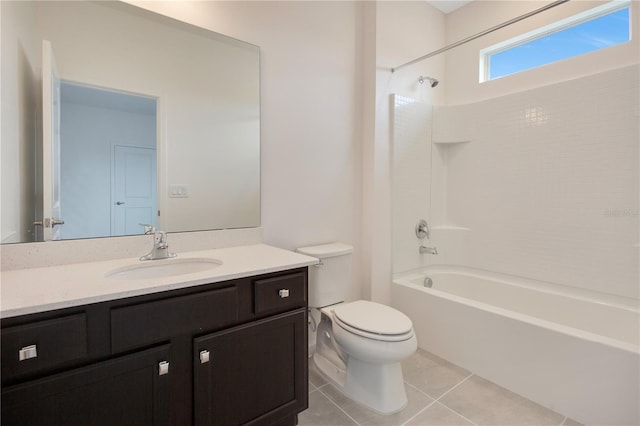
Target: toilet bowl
x: 359, y: 345
x: 360, y: 349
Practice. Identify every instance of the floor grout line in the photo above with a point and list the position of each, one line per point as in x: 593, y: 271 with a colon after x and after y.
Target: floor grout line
x: 430, y: 404
x: 338, y: 405
x: 454, y: 411
x: 321, y: 386
x: 419, y: 390
x: 437, y: 401
x: 433, y: 401
x: 454, y: 386
x: 447, y: 392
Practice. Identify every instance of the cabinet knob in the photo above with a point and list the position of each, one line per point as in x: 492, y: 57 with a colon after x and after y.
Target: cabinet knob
x: 163, y: 368
x: 284, y: 292
x: 28, y: 352
x: 204, y: 357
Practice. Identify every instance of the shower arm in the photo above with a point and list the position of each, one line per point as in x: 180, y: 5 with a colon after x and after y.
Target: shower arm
x: 482, y: 33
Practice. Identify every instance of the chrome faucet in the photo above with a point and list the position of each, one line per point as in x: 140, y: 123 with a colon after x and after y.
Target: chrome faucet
x: 422, y: 232
x: 160, y: 248
x: 428, y: 250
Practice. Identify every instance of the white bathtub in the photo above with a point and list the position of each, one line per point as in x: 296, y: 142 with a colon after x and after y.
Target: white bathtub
x: 572, y: 352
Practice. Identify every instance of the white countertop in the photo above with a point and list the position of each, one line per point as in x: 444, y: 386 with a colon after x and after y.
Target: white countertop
x: 27, y: 291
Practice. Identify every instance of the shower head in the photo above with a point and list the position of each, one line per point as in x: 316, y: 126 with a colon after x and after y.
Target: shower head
x: 432, y: 81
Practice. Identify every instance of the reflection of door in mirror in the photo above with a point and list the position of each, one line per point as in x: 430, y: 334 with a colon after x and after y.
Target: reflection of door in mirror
x: 108, y: 173
x: 134, y: 192
x: 49, y: 218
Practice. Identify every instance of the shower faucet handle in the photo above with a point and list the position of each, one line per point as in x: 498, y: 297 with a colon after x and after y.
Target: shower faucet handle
x: 422, y: 229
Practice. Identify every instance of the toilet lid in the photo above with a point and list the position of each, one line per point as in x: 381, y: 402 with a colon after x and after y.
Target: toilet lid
x: 373, y: 317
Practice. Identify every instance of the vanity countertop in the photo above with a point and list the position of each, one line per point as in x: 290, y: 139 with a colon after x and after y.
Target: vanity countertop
x: 27, y: 291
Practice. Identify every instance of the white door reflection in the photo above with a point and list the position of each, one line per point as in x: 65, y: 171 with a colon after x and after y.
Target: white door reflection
x: 134, y: 190
x: 49, y: 214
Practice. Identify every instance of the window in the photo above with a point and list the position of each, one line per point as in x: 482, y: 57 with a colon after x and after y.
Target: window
x: 598, y: 28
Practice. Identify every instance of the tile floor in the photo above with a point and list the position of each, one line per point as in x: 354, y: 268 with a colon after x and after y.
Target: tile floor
x: 439, y: 393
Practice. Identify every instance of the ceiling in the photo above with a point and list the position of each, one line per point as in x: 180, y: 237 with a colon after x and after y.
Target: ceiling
x: 447, y: 6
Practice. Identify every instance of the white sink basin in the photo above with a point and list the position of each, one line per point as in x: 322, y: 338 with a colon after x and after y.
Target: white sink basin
x: 162, y: 268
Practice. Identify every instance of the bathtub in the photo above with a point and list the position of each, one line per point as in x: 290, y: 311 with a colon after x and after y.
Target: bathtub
x: 571, y: 351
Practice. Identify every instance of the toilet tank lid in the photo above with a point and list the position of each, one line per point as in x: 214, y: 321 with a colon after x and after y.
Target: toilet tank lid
x: 326, y: 250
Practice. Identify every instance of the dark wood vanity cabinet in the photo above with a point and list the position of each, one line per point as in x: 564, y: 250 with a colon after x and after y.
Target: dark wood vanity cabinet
x: 229, y: 353
x: 122, y: 391
x: 266, y: 382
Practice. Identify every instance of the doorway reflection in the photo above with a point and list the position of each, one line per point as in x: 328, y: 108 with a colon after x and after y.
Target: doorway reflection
x: 108, y: 162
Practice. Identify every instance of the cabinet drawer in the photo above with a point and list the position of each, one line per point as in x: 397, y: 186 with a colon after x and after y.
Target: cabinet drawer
x: 126, y: 390
x: 43, y: 345
x: 280, y: 293
x: 152, y: 322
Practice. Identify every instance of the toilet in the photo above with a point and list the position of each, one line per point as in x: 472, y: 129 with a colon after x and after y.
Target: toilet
x: 359, y: 345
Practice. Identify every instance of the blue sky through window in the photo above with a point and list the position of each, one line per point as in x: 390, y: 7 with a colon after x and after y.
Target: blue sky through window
x: 598, y: 33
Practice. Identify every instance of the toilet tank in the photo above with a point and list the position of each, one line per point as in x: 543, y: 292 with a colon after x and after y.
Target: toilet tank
x: 329, y: 281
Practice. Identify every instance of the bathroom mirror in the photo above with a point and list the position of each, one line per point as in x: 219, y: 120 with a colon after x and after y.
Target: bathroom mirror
x: 141, y: 95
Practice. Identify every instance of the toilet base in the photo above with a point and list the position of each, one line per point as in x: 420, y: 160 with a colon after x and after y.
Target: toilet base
x: 380, y: 388
x: 329, y: 371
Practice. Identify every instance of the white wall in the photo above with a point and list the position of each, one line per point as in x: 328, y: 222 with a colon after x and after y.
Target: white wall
x: 405, y: 30
x: 19, y: 63
x: 552, y: 164
x: 411, y: 180
x: 311, y: 120
x: 462, y: 62
x: 534, y: 174
x: 310, y: 135
x: 547, y: 186
x: 326, y: 98
x: 326, y: 141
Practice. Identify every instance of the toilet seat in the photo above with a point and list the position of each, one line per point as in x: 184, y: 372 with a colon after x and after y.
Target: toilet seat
x: 373, y: 320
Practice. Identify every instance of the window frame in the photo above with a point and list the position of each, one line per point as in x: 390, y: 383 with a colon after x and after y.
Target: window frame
x: 555, y: 27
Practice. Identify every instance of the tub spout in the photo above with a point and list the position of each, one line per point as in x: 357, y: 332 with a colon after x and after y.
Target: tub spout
x: 428, y: 250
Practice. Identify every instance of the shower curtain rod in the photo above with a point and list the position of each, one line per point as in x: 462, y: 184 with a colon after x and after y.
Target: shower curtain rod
x: 482, y: 33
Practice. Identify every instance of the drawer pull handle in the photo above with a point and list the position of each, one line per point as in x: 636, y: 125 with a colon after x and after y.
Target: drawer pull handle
x: 28, y: 352
x: 163, y: 368
x: 283, y: 293
x: 204, y: 357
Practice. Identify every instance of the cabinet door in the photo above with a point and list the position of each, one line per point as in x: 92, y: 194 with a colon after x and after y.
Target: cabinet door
x: 252, y: 374
x: 125, y: 391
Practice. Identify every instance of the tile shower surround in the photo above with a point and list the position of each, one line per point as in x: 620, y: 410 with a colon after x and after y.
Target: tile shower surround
x: 541, y: 184
x: 439, y: 393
